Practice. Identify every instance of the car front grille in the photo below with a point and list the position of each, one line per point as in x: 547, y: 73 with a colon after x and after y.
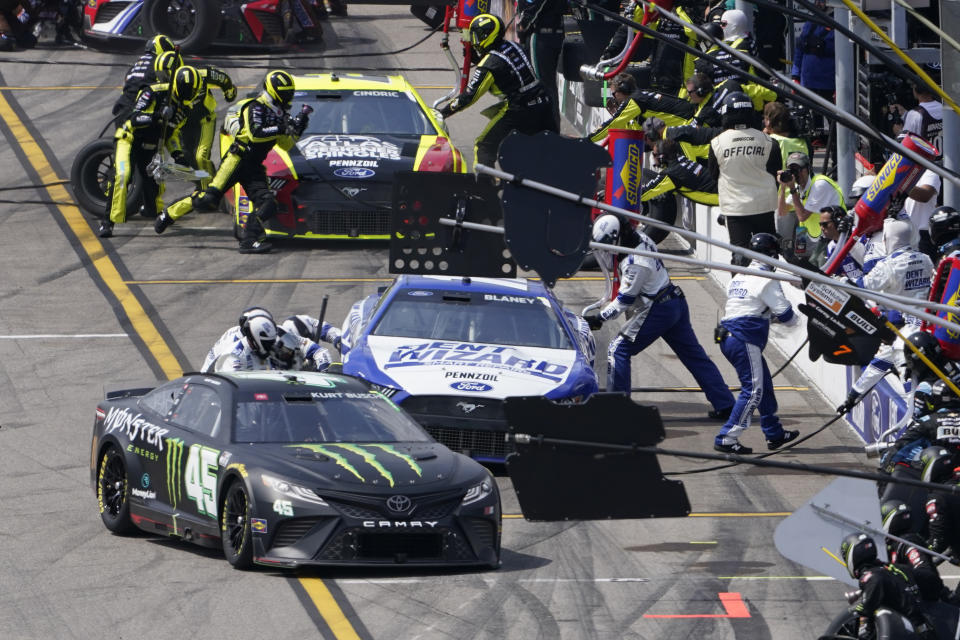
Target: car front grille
x: 349, y: 223
x: 477, y: 444
x: 272, y: 25
x: 457, y: 407
x: 110, y: 10
x: 484, y: 531
x: 355, y: 511
x: 409, y: 546
x: 289, y: 532
x: 431, y: 506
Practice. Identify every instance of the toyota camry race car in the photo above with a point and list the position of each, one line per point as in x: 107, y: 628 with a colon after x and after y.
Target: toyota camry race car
x: 338, y: 180
x: 287, y: 469
x: 450, y: 349
x: 195, y: 24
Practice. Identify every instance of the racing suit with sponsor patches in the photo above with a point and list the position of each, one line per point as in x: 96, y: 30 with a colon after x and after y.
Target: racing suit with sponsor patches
x: 506, y: 72
x: 904, y: 272
x: 139, y: 75
x: 232, y: 353
x: 751, y: 302
x: 680, y: 176
x: 201, y: 124
x: 657, y: 308
x: 136, y: 142
x: 888, y: 586
x: 261, y: 126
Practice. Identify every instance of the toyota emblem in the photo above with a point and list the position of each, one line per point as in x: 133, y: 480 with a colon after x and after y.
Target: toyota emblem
x: 399, y: 504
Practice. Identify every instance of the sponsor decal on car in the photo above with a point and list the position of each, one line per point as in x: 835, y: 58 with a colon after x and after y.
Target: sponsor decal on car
x: 493, y: 297
x: 258, y: 525
x: 467, y: 385
x: 134, y: 427
x: 354, y: 172
x: 143, y: 452
x: 174, y: 462
x: 400, y: 524
x: 378, y: 94
x: 367, y: 452
x: 333, y: 146
x: 145, y: 481
x: 420, y: 294
x: 373, y: 164
x: 142, y: 493
x: 472, y: 375
x: 432, y: 353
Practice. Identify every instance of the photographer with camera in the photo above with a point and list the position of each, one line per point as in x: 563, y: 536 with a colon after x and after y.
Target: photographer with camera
x: 808, y: 195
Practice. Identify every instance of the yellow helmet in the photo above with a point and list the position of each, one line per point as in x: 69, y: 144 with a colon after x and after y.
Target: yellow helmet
x: 166, y: 65
x: 486, y: 31
x: 278, y: 85
x: 187, y: 85
x: 160, y: 43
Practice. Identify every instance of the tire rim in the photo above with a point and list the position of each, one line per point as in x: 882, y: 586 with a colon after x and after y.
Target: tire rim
x: 181, y: 18
x: 113, y: 484
x: 105, y: 174
x: 234, y: 522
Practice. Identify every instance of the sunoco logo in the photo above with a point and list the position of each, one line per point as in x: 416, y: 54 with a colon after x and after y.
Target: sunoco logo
x: 630, y: 174
x: 174, y: 464
x: 465, y: 385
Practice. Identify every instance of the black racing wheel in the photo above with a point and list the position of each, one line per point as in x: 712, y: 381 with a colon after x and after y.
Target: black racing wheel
x: 192, y: 24
x: 113, y: 492
x: 92, y: 174
x: 235, y: 526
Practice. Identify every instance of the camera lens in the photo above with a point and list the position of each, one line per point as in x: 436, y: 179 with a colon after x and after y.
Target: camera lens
x: 786, y: 176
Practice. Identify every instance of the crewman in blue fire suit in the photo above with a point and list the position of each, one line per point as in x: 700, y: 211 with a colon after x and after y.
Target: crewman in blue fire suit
x: 656, y: 308
x: 751, y: 301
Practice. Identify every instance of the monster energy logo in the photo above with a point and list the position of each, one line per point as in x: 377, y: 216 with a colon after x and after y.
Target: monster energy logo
x: 368, y: 456
x: 174, y: 464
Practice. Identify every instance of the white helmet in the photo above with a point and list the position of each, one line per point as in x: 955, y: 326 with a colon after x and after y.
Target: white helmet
x: 606, y: 229
x: 897, y: 234
x: 261, y: 334
x: 251, y: 312
x: 734, y: 23
x: 285, y: 350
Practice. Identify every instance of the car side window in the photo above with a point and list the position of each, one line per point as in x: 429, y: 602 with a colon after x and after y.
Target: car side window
x: 162, y: 399
x: 199, y: 410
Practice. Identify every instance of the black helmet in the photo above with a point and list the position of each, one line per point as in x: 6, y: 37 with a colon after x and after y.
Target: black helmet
x: 858, y: 551
x: 737, y: 109
x: 251, y: 312
x: 486, y: 31
x: 765, y: 243
x: 158, y: 44
x: 937, y: 464
x: 261, y: 334
x: 943, y: 397
x: 279, y: 87
x: 926, y: 344
x: 944, y: 225
x: 713, y: 29
x: 187, y: 85
x: 897, y: 517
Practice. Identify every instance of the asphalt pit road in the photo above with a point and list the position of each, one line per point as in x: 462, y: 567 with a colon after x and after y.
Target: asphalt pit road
x: 671, y: 546
x: 730, y: 567
x: 681, y: 433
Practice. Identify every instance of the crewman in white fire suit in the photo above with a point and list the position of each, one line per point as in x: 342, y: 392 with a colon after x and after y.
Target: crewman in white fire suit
x: 904, y: 271
x: 655, y: 308
x: 751, y: 303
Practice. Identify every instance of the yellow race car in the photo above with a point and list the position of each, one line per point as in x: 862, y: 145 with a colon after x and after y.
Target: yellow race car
x: 337, y: 182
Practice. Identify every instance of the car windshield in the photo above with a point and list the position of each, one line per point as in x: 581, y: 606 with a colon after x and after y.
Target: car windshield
x: 500, y: 319
x: 364, y: 112
x: 323, y: 416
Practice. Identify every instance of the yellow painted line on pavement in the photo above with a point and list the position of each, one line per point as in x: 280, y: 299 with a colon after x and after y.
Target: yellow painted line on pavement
x: 92, y: 246
x: 319, y: 594
x: 327, y: 606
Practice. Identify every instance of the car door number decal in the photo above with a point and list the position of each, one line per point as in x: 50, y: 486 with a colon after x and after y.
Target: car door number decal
x: 201, y: 478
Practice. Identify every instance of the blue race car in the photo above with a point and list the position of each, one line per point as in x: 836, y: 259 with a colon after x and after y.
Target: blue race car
x: 450, y: 349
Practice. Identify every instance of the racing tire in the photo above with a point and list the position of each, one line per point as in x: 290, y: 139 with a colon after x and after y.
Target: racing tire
x: 91, y: 175
x: 843, y: 626
x: 113, y: 492
x: 192, y: 24
x: 235, y: 532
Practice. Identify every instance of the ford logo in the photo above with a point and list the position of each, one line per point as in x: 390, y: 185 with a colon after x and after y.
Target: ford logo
x: 466, y: 385
x: 354, y: 172
x: 419, y: 293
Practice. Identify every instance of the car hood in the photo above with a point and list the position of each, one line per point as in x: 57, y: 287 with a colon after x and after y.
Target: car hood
x: 369, y: 465
x: 355, y: 157
x: 430, y: 367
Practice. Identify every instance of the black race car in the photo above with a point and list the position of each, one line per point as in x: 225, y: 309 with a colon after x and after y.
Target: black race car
x: 287, y: 469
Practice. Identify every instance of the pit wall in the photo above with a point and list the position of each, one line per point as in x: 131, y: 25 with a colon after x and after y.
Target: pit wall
x: 883, y: 406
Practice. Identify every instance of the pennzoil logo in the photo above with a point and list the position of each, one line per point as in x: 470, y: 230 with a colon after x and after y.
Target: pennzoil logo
x: 630, y: 174
x: 174, y: 463
x: 333, y: 451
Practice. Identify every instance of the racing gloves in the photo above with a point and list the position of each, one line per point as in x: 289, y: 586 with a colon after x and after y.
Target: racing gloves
x: 230, y: 94
x: 852, y: 399
x: 594, y: 321
x: 206, y: 200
